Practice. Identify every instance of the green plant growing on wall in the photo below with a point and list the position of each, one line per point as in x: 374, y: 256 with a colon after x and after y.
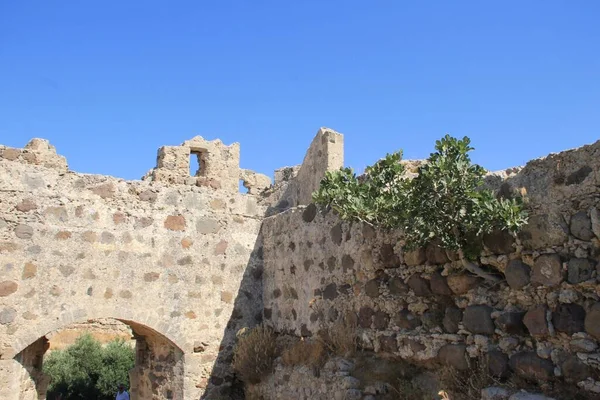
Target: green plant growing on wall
x: 445, y: 203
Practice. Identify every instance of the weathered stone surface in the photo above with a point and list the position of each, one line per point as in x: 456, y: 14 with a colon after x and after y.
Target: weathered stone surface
x: 365, y: 315
x: 347, y: 262
x: 511, y: 323
x: 462, y: 283
x: 592, y: 321
x: 175, y: 223
x: 439, y: 284
x: 547, y: 270
x: 309, y: 213
x: 107, y: 238
x: 454, y: 355
x: 26, y: 205
x: 397, y: 286
x: 388, y: 256
x: 497, y: 364
x: 336, y: 234
x: 419, y: 285
x: 29, y: 271
x: 143, y: 222
x: 544, y: 231
x: 415, y: 257
x: 574, y: 370
x: 477, y: 319
x: 452, y: 318
x: 221, y: 247
x: 7, y: 315
x: 499, y: 242
x: 388, y: 344
x: 569, y: 318
x: 330, y: 292
x: 380, y: 320
x: 372, y: 288
x: 535, y: 321
x: 583, y: 345
x: 63, y: 235
x: 8, y: 287
x: 148, y: 195
x: 23, y: 231
x: 529, y: 396
x: 106, y: 190
x: 595, y: 220
x: 494, y: 393
x: 432, y: 319
x: 518, y: 274
x: 581, y: 226
x: 406, y: 320
x: 579, y: 270
x: 435, y: 254
x: 206, y: 226
x: 530, y: 366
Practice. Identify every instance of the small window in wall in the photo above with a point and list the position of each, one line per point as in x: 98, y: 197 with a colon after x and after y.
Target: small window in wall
x: 243, y: 188
x: 197, y: 163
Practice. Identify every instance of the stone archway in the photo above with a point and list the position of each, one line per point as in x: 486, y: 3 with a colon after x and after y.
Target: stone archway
x: 158, y: 372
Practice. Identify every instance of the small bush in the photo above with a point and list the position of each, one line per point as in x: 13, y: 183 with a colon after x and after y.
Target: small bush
x: 254, y: 354
x: 305, y: 352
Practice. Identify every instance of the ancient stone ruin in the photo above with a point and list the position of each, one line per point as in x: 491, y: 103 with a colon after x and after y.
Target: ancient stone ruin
x: 186, y: 261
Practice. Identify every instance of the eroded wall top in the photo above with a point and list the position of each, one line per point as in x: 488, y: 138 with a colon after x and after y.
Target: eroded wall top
x: 36, y: 152
x: 216, y: 165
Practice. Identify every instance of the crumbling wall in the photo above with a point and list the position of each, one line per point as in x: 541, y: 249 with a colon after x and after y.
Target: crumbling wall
x: 295, y: 185
x: 181, y: 259
x: 542, y: 322
x: 216, y: 166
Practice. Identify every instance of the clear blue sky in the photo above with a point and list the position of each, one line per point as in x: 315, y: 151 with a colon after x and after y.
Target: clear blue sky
x: 108, y: 82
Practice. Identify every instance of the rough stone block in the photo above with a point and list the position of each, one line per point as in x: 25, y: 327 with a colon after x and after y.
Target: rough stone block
x: 547, y: 270
x: 518, y: 274
x: 477, y: 319
x: 530, y: 366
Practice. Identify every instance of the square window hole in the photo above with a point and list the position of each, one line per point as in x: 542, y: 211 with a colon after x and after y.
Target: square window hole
x: 242, y: 188
x: 197, y: 163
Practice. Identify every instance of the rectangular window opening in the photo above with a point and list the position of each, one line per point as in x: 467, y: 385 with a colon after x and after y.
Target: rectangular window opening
x: 197, y: 163
x: 243, y: 188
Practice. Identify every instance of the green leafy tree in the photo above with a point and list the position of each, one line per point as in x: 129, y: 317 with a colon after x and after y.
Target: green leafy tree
x: 86, y: 370
x: 445, y: 203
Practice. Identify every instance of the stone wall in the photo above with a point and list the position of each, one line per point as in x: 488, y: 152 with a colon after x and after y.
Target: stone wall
x: 542, y: 322
x: 186, y: 260
x: 294, y: 185
x: 179, y: 263
x: 104, y: 330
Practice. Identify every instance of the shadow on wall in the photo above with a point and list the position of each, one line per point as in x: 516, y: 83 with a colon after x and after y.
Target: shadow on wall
x: 247, y: 313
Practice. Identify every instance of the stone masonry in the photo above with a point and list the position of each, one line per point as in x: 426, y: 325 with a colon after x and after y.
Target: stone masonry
x: 177, y: 258
x: 542, y: 322
x: 186, y: 260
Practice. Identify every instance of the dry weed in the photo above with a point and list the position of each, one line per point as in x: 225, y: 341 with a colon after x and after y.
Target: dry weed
x: 340, y: 338
x: 305, y: 352
x: 466, y: 385
x: 406, y: 389
x: 254, y: 354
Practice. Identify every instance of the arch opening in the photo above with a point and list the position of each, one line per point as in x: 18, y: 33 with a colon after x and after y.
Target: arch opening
x: 158, y: 372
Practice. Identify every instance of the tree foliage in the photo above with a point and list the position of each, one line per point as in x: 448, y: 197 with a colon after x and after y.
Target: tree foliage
x: 446, y: 202
x: 86, y: 370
